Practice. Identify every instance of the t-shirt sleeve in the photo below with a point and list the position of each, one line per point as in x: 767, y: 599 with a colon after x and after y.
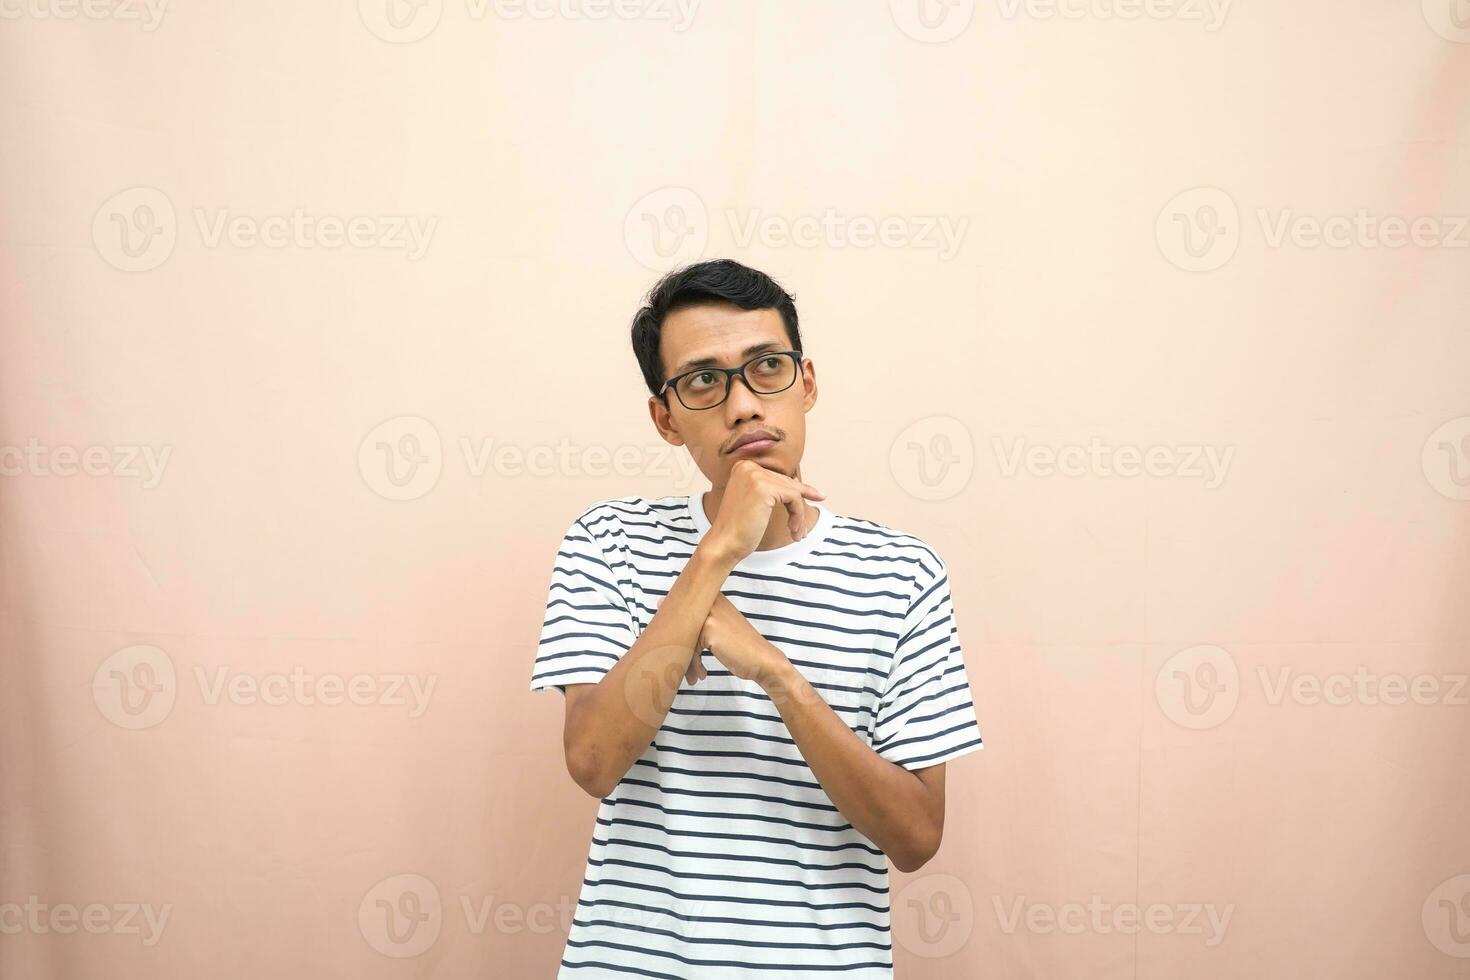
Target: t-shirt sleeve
x: 588, y: 623
x: 926, y: 714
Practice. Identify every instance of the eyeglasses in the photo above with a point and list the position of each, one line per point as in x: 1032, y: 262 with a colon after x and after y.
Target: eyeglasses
x: 764, y: 374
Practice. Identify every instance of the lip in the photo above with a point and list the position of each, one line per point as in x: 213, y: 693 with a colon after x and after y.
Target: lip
x: 756, y: 446
x: 755, y: 442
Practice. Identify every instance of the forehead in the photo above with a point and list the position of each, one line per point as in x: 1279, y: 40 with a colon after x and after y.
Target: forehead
x: 718, y: 331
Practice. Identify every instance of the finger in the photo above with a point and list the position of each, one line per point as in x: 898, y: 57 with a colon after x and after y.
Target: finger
x: 790, y: 498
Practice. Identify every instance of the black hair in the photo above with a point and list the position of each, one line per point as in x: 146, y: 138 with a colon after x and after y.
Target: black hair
x: 713, y: 281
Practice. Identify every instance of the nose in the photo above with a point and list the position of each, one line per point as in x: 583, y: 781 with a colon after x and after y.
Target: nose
x: 743, y: 402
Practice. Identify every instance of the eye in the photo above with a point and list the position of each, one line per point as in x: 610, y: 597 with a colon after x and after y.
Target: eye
x: 703, y: 379
x: 769, y: 365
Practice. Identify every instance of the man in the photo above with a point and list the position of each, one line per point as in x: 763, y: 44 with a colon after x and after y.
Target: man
x: 762, y: 693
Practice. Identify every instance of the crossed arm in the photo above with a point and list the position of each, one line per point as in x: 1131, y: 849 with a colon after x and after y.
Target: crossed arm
x: 609, y: 724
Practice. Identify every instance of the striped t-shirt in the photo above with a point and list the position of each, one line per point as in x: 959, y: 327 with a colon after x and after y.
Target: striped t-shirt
x: 719, y: 854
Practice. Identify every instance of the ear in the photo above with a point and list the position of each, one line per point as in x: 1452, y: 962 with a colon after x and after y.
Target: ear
x: 663, y: 421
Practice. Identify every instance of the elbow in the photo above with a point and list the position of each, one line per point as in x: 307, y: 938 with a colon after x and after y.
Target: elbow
x: 918, y: 852
x: 586, y: 771
x: 908, y: 863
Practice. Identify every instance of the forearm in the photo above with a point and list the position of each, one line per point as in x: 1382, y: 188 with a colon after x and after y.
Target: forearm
x: 617, y: 718
x: 887, y: 803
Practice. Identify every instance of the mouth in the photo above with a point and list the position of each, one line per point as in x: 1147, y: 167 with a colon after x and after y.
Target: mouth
x: 751, y: 447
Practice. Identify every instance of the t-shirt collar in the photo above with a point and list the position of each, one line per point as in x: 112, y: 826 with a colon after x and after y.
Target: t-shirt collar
x: 775, y: 557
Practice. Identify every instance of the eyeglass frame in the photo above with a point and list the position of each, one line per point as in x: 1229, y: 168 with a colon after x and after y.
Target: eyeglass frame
x: 730, y: 374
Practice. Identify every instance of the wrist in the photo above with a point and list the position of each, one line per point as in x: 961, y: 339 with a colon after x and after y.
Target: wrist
x: 780, y: 677
x: 716, y: 552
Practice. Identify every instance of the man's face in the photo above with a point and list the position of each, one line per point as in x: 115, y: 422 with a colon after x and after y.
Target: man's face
x: 721, y: 335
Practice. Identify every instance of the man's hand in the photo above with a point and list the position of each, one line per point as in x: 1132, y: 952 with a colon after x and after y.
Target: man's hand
x: 752, y: 492
x: 736, y: 644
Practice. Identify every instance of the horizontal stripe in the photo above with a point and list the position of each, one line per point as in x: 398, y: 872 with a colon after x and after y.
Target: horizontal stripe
x: 719, y: 853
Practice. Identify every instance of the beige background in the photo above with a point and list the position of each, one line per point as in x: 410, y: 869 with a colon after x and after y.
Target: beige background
x: 1222, y: 699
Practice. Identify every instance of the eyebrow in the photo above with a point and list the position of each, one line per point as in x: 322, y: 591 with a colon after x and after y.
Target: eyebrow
x: 745, y: 355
